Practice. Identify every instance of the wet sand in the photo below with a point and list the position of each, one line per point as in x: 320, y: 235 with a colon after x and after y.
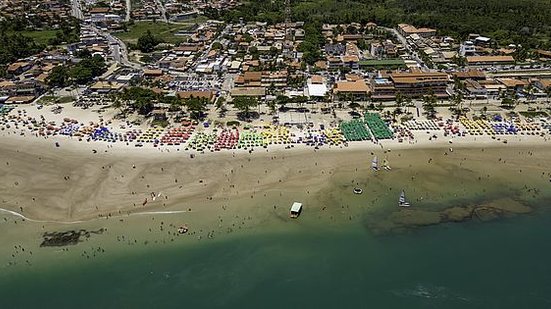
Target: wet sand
x: 219, y: 195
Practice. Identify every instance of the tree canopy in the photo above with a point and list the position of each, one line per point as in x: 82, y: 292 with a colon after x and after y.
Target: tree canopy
x: 147, y: 42
x: 526, y: 22
x: 244, y: 104
x: 81, y: 73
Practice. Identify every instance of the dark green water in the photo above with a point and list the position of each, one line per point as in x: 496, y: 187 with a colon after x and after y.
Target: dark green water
x: 504, y: 264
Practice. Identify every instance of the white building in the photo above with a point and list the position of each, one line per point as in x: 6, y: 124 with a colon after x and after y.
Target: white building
x: 467, y: 49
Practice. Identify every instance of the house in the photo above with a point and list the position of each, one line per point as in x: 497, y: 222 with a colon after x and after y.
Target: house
x: 351, y: 62
x: 467, y: 49
x: 106, y: 87
x: 543, y: 84
x: 19, y: 67
x: 334, y: 49
x: 277, y: 79
x: 489, y: 60
x: 152, y: 72
x: 512, y: 84
x: 475, y: 89
x: 470, y: 74
x: 20, y: 100
x: 407, y: 30
x: 357, y: 89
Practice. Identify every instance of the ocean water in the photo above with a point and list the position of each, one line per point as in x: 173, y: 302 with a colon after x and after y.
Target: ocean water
x: 338, y: 254
x: 501, y: 264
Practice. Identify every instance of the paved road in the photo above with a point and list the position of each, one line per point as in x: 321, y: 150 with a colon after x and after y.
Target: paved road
x: 162, y: 10
x: 404, y: 42
x: 117, y: 47
x: 76, y: 10
x: 128, y: 9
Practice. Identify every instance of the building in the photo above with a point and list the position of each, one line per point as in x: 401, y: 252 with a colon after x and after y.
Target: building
x: 106, y: 87
x: 407, y: 30
x: 467, y: 49
x: 418, y: 84
x: 316, y: 87
x: 475, y: 90
x: 490, y: 60
x: 543, y: 84
x: 276, y: 79
x: 357, y: 89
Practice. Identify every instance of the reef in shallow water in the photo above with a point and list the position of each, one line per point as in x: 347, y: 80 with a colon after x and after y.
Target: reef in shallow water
x: 60, y: 239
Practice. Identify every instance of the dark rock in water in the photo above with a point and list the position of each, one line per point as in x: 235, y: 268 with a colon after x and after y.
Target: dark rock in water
x: 60, y: 239
x: 404, y: 219
x: 487, y: 213
x: 456, y: 214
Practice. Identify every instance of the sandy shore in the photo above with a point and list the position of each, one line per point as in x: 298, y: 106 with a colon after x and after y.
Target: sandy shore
x: 217, y: 194
x: 72, y: 183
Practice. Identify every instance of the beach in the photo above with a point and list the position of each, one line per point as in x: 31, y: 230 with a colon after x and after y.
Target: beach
x: 231, y: 198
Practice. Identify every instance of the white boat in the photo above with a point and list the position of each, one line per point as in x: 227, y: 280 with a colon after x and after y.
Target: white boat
x: 402, y: 201
x: 375, y: 163
x: 385, y: 165
x: 296, y: 209
x: 358, y: 190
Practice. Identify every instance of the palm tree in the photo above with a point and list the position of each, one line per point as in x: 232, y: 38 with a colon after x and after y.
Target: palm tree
x: 548, y: 92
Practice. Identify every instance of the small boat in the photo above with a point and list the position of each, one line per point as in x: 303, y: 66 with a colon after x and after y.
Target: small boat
x: 296, y: 209
x: 402, y: 201
x: 385, y: 165
x: 358, y: 190
x: 375, y: 163
x: 183, y: 229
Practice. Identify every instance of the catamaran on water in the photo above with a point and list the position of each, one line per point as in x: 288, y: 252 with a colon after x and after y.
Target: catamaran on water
x: 375, y: 163
x: 386, y: 166
x: 402, y: 200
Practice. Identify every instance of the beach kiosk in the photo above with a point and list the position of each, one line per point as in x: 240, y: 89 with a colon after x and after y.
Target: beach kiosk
x: 296, y: 208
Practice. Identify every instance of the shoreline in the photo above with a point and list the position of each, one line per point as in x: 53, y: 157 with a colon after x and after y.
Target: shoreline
x: 213, y: 179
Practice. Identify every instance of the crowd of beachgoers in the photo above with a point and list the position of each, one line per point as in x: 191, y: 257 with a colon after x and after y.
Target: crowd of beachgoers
x: 206, y: 137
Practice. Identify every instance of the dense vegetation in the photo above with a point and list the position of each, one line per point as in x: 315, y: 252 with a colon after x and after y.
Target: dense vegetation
x: 509, y: 21
x: 80, y: 73
x: 14, y: 45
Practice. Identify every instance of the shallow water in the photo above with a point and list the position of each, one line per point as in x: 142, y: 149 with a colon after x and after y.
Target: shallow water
x: 334, y: 255
x: 502, y: 264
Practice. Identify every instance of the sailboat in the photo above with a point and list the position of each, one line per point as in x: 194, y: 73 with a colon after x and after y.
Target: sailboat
x: 375, y: 163
x: 402, y: 201
x: 385, y: 165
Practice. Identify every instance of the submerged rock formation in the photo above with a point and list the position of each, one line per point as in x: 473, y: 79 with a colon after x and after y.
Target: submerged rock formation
x: 407, y: 218
x: 59, y: 239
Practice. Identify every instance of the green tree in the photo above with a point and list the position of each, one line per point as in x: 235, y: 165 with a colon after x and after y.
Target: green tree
x: 59, y: 77
x: 244, y: 104
x: 429, y: 103
x: 140, y: 99
x: 147, y: 42
x: 80, y: 74
x: 196, y: 107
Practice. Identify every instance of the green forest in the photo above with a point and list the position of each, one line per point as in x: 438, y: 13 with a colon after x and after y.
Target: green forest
x: 527, y: 22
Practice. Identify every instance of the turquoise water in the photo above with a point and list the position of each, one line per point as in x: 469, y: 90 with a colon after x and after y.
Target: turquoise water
x: 502, y: 264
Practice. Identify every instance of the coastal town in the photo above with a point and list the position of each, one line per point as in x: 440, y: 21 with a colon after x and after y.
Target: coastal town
x: 206, y: 85
x: 275, y: 153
